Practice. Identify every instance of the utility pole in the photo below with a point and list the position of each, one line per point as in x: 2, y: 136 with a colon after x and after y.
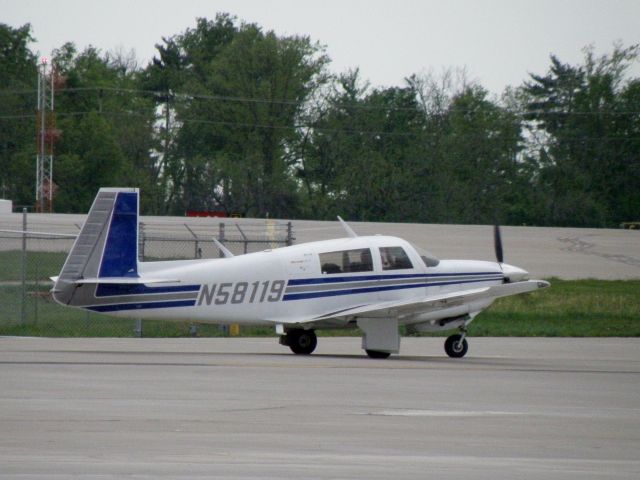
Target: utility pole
x: 47, y: 135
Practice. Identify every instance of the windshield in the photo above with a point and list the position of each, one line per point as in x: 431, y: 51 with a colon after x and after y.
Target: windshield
x: 428, y: 259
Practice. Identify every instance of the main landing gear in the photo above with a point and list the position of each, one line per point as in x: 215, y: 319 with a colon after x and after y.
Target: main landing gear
x: 304, y: 342
x: 377, y: 354
x: 301, y: 342
x: 456, y: 345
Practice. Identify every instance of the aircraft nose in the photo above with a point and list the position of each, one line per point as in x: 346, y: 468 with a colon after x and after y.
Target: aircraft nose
x: 513, y: 273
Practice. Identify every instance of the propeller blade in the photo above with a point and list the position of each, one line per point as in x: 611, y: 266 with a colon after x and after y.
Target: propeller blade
x: 497, y: 241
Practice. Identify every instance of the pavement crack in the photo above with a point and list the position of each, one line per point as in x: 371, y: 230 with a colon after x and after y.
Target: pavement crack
x: 580, y: 245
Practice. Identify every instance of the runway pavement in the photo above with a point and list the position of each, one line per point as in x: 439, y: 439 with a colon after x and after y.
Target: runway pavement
x: 248, y: 409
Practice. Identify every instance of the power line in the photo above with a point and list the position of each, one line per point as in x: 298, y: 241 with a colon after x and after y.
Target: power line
x: 185, y: 96
x: 374, y: 133
x: 18, y: 92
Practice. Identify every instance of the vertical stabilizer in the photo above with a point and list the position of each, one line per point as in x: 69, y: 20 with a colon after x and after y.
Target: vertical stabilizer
x: 107, y: 246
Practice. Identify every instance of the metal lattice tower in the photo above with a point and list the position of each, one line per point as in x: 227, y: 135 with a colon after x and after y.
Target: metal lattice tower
x: 47, y: 135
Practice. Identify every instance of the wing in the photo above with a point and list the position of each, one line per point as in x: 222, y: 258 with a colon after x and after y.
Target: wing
x: 403, y: 308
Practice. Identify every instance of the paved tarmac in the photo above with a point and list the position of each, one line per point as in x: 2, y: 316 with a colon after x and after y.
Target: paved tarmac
x: 247, y: 409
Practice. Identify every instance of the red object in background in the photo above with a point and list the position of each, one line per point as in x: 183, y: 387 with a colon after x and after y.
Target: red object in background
x: 210, y: 213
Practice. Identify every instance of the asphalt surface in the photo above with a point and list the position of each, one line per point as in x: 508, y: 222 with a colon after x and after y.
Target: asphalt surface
x: 568, y: 253
x: 248, y: 409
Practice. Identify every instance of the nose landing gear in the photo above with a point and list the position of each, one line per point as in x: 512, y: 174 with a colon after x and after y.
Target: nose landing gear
x: 456, y: 345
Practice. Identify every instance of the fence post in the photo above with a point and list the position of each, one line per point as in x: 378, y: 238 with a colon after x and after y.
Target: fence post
x: 196, y: 252
x: 220, y: 237
x: 290, y: 238
x: 141, y: 242
x: 36, y: 297
x: 138, y: 328
x: 23, y: 273
x: 224, y: 329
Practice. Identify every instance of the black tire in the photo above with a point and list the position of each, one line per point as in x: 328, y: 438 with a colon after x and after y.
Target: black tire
x: 302, y: 342
x: 377, y: 354
x: 455, y: 348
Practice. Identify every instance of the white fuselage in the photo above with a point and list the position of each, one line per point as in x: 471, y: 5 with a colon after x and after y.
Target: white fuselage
x: 287, y: 284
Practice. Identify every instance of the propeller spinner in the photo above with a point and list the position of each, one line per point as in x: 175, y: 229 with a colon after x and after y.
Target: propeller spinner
x: 510, y: 272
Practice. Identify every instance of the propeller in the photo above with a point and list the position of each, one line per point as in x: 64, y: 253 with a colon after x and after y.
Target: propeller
x: 511, y: 273
x: 497, y: 242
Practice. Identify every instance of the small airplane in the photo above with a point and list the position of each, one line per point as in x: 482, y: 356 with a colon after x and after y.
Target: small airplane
x: 376, y: 283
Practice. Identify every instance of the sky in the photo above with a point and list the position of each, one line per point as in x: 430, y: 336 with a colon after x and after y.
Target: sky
x: 498, y: 42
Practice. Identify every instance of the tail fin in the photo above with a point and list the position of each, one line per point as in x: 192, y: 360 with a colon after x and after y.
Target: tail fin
x: 107, y: 247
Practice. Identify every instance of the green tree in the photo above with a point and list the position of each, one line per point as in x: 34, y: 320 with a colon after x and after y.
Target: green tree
x: 473, y: 168
x: 179, y: 66
x: 246, y: 89
x: 18, y: 81
x: 588, y: 117
x: 480, y: 157
x: 92, y: 158
x: 107, y: 128
x: 281, y: 73
x: 363, y: 154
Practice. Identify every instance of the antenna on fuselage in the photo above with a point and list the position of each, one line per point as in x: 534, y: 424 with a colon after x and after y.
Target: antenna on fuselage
x: 225, y: 251
x: 347, y: 228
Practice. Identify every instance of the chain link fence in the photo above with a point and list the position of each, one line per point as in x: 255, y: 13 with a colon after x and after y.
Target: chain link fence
x: 32, y: 250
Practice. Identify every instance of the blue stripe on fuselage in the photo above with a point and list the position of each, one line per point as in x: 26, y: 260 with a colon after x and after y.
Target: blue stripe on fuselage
x: 353, y: 291
x: 115, y: 289
x: 142, y: 306
x: 359, y: 278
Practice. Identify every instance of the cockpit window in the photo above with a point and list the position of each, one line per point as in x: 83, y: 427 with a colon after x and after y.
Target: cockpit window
x: 394, y: 258
x: 346, y: 261
x: 428, y: 259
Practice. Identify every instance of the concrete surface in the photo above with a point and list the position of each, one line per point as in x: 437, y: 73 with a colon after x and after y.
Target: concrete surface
x: 568, y: 253
x: 5, y: 206
x: 248, y: 409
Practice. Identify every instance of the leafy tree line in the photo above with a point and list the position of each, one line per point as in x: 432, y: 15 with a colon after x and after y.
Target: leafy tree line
x: 230, y: 117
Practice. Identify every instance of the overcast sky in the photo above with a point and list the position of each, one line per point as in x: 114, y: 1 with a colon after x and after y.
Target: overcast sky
x: 498, y: 41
